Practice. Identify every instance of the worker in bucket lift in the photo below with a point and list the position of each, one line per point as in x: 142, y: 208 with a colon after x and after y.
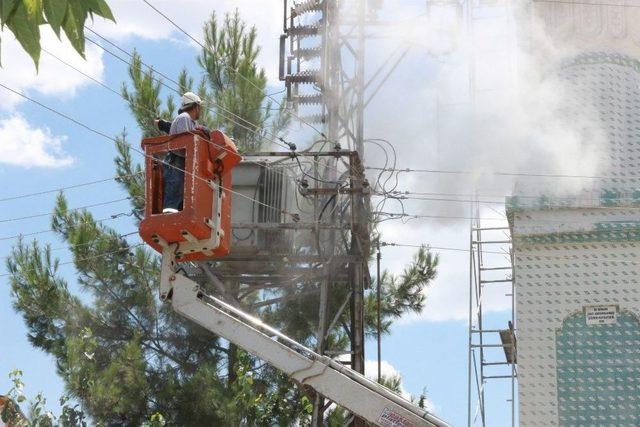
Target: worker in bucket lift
x: 173, y: 166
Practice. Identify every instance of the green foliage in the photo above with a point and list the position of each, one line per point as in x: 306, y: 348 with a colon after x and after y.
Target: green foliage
x: 401, y: 295
x: 38, y: 415
x: 233, y: 87
x: 122, y: 353
x: 236, y: 84
x: 127, y: 357
x: 392, y: 382
x: 144, y: 98
x: 24, y: 17
x: 130, y: 175
x: 421, y: 400
x: 339, y: 417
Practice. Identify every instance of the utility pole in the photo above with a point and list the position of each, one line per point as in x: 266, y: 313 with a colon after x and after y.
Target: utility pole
x: 333, y: 97
x: 378, y: 303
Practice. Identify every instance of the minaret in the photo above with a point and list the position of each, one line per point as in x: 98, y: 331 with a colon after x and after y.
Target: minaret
x: 577, y: 255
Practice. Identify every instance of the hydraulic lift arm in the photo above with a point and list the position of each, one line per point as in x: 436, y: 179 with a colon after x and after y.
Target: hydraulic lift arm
x: 363, y: 397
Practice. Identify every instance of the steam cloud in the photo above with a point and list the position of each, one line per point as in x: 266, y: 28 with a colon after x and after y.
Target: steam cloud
x: 513, y: 113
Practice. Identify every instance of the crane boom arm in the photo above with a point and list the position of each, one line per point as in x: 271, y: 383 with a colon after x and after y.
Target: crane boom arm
x: 363, y: 397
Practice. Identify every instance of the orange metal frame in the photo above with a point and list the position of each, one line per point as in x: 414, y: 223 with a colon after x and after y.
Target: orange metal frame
x: 208, y: 165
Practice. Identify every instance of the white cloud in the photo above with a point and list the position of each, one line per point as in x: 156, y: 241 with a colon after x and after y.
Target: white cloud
x: 136, y: 19
x: 27, y: 146
x: 54, y: 78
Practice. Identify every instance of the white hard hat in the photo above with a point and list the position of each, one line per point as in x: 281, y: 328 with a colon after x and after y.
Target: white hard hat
x: 190, y: 98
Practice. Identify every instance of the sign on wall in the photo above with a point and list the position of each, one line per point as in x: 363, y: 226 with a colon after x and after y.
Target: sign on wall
x: 601, y: 314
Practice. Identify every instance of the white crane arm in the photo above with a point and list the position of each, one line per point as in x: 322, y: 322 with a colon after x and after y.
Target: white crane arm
x: 363, y: 397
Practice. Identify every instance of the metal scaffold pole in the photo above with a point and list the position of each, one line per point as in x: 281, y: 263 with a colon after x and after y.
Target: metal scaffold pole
x: 492, y: 350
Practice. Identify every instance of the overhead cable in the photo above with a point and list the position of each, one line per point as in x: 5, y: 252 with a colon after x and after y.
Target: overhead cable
x: 516, y: 174
x: 275, y: 139
x: 198, y: 42
x: 433, y: 199
x: 104, y: 135
x: 439, y: 248
x: 68, y: 187
x: 77, y: 245
x: 51, y: 230
x: 110, y: 202
x: 96, y: 256
x: 399, y: 215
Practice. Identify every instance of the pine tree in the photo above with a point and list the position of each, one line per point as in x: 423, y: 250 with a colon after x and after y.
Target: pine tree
x: 122, y: 353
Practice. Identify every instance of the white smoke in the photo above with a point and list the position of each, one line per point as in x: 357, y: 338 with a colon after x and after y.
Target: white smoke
x: 492, y: 105
x: 477, y: 94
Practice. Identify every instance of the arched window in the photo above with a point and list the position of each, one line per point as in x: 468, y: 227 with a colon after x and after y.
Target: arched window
x: 598, y: 372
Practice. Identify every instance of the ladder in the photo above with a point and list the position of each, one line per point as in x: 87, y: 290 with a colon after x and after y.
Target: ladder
x: 363, y: 397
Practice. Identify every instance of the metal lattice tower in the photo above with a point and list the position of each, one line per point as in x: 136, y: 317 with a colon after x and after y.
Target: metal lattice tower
x: 323, y: 70
x: 322, y: 55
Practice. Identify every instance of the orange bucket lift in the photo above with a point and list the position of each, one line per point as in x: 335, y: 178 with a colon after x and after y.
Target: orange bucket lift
x: 202, y: 229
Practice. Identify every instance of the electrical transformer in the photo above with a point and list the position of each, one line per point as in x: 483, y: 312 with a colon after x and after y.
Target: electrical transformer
x: 262, y: 195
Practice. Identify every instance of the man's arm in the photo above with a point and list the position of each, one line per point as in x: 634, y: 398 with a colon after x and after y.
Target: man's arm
x: 205, y: 130
x: 163, y: 125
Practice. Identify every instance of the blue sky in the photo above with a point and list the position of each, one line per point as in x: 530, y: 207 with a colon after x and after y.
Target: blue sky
x: 428, y: 349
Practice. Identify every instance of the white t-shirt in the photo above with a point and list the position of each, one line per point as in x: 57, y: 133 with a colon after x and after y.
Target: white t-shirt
x: 182, y: 123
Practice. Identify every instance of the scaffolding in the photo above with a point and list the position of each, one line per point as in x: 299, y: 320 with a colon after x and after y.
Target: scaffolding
x: 492, y: 350
x: 492, y: 346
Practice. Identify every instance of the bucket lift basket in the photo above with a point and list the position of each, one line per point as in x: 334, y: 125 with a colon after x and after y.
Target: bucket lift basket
x: 202, y: 229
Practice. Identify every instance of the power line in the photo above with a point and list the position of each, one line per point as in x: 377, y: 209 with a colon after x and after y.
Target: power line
x: 504, y: 203
x: 69, y: 210
x: 574, y: 221
x: 433, y: 199
x: 100, y: 255
x: 439, y: 248
x: 51, y: 230
x: 522, y: 174
x: 400, y: 215
x: 100, y: 133
x: 231, y: 68
x: 275, y: 139
x: 59, y: 248
x: 281, y: 172
x: 68, y: 187
x: 212, y: 102
x: 234, y: 119
x: 497, y: 196
x: 149, y: 110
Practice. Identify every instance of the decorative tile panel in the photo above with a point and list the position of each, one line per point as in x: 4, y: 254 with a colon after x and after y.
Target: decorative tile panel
x: 598, y: 372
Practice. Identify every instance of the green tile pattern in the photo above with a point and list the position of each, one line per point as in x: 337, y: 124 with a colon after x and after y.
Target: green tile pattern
x: 598, y: 372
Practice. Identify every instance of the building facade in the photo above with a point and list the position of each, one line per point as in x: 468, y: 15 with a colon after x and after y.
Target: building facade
x: 577, y: 257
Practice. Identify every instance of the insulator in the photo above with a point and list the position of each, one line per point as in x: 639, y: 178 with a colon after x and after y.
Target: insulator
x: 308, y: 99
x: 306, y: 6
x: 307, y: 53
x: 308, y: 76
x: 314, y: 118
x: 303, y: 31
